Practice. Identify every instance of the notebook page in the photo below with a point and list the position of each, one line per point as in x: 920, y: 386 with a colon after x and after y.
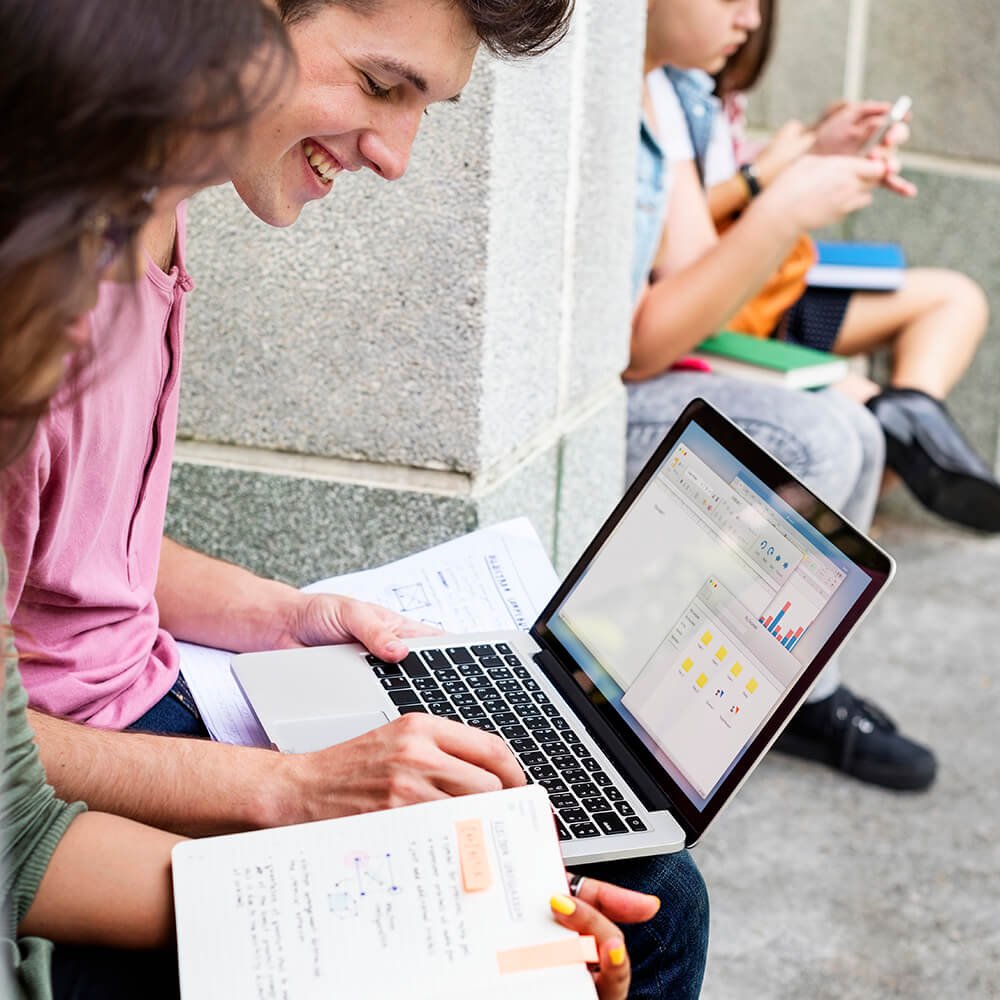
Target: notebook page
x: 427, y: 901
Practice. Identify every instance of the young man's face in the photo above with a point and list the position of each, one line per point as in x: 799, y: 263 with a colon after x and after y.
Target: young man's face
x: 697, y: 34
x: 364, y: 83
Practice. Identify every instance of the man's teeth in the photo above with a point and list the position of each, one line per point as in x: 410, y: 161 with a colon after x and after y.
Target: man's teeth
x: 320, y: 163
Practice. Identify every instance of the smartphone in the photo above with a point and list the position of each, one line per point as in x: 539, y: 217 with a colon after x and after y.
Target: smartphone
x: 896, y: 114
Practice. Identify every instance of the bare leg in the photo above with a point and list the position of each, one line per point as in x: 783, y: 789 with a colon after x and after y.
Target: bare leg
x: 933, y: 325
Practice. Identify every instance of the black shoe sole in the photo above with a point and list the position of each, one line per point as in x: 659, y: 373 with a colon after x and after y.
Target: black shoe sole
x: 883, y: 775
x: 956, y: 496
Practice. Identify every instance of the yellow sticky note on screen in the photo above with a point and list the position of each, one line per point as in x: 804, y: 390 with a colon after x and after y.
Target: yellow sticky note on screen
x: 751, y: 685
x: 737, y: 669
x: 706, y: 638
x: 702, y: 680
x: 473, y: 856
x: 687, y: 664
x: 722, y: 653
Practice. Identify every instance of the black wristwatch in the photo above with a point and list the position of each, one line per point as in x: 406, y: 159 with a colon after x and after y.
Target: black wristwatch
x: 749, y: 174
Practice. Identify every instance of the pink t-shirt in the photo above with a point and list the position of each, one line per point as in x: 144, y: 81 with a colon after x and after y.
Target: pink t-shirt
x: 83, y: 513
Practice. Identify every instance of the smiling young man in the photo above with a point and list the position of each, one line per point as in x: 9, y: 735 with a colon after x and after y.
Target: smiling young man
x: 98, y: 596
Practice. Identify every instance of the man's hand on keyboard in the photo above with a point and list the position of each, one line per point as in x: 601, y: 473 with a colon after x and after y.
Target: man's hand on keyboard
x: 320, y: 619
x: 415, y: 758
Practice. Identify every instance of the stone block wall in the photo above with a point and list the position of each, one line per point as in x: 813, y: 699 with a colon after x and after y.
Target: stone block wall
x: 416, y: 359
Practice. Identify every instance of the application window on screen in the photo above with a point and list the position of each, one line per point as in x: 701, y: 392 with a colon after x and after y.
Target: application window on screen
x: 695, y: 607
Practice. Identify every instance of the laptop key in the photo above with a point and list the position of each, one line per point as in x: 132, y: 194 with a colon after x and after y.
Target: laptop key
x: 477, y: 681
x: 563, y: 800
x: 580, y: 749
x: 504, y: 649
x: 496, y: 707
x: 523, y: 745
x: 471, y: 670
x: 484, y: 650
x: 426, y: 684
x: 564, y: 834
x: 404, y: 697
x: 500, y: 673
x: 575, y: 815
x: 413, y: 666
x: 590, y: 764
x: 440, y: 708
x: 535, y: 723
x: 613, y: 795
x: 406, y: 709
x: 472, y: 712
x: 490, y: 661
x: 574, y: 774
x: 528, y: 711
x: 549, y: 709
x: 518, y: 697
x: 609, y: 823
x: 459, y: 654
x: 533, y: 757
x: 569, y: 736
x: 543, y: 771
x: 505, y: 719
x: 585, y: 790
x: 541, y: 698
x: 563, y: 761
x: 513, y: 661
x: 596, y: 804
x: 454, y: 687
x: 582, y: 830
x: 395, y: 683
x: 624, y: 809
x: 387, y: 670
x: 446, y: 674
x: 600, y: 778
x: 553, y: 785
x: 635, y: 824
x: 486, y: 725
x: 513, y: 732
x: 531, y: 685
x: 559, y: 723
x: 435, y: 658
x: 466, y: 698
x: 552, y: 747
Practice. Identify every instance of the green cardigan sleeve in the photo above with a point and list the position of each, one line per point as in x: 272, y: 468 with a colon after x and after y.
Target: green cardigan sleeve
x: 32, y: 822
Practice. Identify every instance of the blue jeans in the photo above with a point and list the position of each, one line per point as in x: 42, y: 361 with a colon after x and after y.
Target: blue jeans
x: 667, y: 953
x: 175, y: 714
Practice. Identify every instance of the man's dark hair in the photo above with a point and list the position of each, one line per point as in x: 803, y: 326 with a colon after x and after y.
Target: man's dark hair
x: 508, y: 28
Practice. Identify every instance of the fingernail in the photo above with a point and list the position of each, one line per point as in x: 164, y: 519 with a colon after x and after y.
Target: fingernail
x: 395, y: 647
x: 563, y: 905
x: 659, y: 902
x: 617, y: 954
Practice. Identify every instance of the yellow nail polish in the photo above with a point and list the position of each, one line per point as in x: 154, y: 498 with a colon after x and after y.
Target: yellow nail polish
x: 617, y: 955
x: 563, y: 905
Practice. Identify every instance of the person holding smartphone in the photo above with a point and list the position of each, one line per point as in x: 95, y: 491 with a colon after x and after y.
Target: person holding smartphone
x: 932, y: 325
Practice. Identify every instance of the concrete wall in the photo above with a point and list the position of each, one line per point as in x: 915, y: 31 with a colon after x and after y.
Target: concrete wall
x: 410, y: 361
x: 944, y: 56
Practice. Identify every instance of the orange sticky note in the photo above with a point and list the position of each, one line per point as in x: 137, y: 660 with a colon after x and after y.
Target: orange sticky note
x: 563, y: 951
x: 473, y: 858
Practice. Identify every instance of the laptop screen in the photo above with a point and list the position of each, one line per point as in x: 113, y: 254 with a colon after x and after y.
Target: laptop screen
x: 698, y: 613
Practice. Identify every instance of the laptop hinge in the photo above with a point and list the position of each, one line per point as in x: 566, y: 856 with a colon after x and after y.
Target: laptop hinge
x: 641, y: 781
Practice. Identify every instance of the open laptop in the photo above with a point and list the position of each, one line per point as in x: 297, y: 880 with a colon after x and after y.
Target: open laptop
x: 658, y: 675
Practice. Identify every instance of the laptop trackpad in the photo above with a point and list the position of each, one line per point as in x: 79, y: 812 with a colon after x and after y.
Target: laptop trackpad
x: 306, y: 735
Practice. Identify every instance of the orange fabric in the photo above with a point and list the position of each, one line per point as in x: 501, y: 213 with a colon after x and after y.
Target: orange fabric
x: 760, y: 315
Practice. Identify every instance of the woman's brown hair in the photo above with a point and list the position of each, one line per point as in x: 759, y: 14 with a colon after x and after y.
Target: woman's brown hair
x: 744, y: 68
x: 98, y: 97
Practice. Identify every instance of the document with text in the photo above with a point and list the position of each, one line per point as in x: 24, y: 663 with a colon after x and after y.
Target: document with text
x: 438, y: 901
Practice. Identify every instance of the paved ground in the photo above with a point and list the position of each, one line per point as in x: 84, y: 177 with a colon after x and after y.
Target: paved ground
x: 824, y: 888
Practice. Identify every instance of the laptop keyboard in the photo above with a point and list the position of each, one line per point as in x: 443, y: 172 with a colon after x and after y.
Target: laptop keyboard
x: 488, y: 687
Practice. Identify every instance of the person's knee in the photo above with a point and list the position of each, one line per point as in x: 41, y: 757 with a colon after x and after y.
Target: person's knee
x: 963, y: 298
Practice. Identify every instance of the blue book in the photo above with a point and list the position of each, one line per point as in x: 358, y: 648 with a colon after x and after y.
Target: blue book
x: 876, y: 267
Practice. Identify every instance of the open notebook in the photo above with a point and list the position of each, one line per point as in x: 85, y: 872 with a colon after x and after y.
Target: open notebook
x: 443, y: 900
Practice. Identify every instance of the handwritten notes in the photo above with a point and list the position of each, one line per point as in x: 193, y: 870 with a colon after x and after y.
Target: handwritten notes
x: 420, y: 902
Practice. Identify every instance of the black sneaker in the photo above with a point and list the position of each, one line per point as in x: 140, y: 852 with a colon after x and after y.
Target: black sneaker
x: 854, y: 736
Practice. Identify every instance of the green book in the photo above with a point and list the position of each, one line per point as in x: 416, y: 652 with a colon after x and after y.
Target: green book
x: 774, y: 361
